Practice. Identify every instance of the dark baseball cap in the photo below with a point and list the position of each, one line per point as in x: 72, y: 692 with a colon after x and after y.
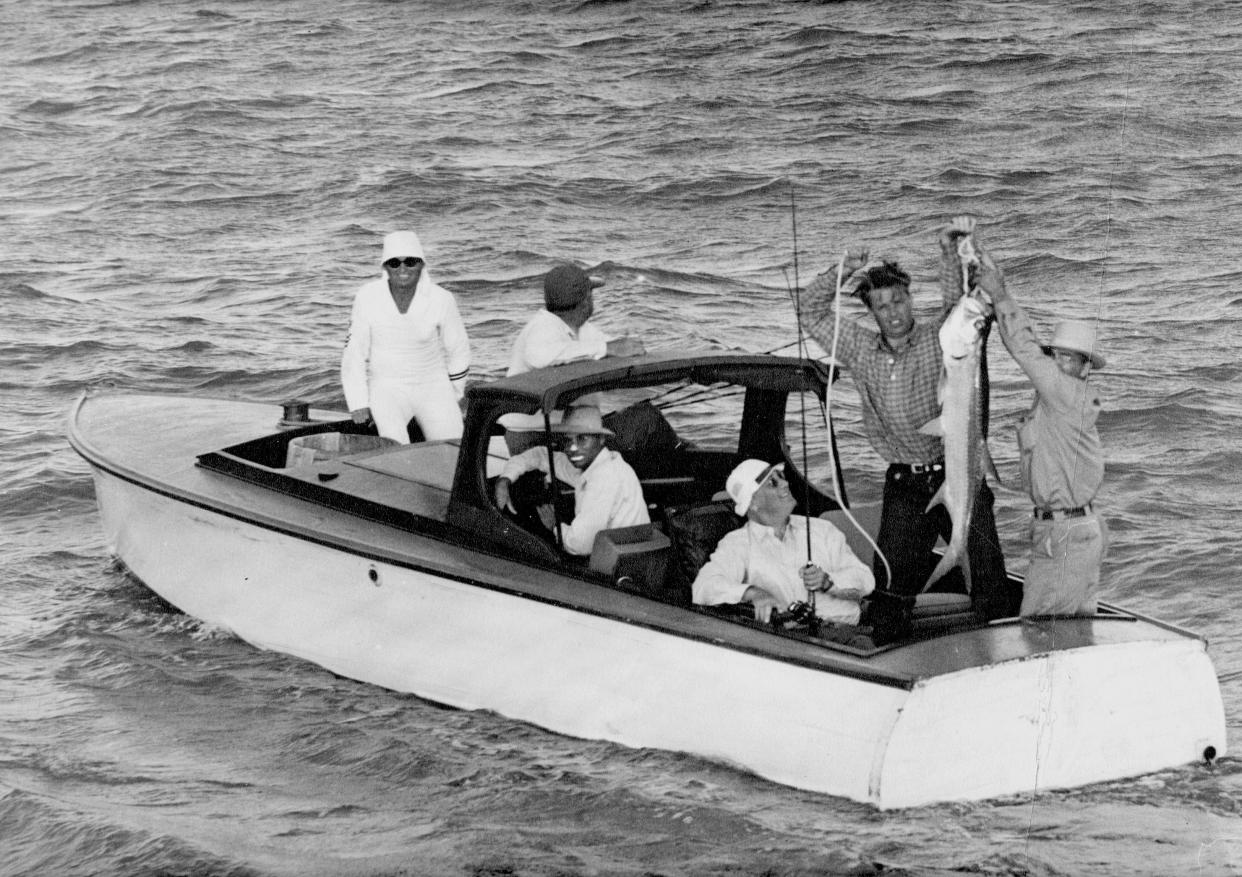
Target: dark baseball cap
x: 565, y: 286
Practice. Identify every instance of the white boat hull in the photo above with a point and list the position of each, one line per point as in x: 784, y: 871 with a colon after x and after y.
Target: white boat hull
x: 1045, y: 721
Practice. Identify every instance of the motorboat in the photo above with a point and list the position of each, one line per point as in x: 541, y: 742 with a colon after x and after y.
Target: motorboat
x: 302, y: 532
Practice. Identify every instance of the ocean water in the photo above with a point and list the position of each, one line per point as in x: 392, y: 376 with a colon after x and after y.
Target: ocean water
x: 190, y: 192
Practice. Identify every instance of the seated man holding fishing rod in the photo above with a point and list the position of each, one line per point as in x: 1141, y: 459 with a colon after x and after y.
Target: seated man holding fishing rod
x: 898, y: 373
x: 785, y: 565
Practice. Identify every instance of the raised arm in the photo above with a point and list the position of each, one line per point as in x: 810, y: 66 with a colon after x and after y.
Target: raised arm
x: 951, y: 288
x: 817, y: 314
x: 1020, y: 339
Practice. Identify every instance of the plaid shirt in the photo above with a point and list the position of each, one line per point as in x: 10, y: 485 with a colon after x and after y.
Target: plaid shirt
x: 898, y: 387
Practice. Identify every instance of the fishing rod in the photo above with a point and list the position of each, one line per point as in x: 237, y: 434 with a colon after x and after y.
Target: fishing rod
x: 797, y: 303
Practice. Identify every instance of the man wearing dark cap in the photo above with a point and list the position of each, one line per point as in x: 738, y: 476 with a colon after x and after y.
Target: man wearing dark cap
x: 560, y: 333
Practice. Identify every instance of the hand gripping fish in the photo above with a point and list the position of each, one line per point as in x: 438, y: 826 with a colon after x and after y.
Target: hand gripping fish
x: 960, y: 423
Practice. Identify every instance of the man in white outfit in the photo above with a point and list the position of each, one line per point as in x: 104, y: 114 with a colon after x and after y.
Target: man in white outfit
x: 560, y: 333
x: 607, y: 493
x: 765, y: 563
x: 407, y: 354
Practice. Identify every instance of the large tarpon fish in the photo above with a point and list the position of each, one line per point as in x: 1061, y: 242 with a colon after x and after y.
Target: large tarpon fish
x: 961, y: 424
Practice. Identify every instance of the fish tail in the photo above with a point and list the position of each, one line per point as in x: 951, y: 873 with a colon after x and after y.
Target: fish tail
x: 948, y: 560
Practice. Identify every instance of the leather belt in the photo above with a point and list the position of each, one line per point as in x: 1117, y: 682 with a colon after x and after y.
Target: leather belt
x: 919, y: 468
x: 1057, y: 514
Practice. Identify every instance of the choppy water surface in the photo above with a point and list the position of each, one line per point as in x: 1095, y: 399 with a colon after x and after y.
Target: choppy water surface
x: 191, y: 192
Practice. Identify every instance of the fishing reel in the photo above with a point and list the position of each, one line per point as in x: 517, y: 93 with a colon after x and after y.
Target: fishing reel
x: 800, y: 614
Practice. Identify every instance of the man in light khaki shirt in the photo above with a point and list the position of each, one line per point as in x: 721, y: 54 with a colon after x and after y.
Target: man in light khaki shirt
x: 1061, y: 457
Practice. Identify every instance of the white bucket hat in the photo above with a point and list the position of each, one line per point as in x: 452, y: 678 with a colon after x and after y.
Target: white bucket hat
x: 1077, y: 336
x: 744, y: 481
x: 399, y: 244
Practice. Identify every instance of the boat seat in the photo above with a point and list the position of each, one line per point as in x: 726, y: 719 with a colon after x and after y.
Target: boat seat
x: 868, y: 515
x: 694, y: 532
x: 645, y: 440
x: 937, y: 611
x: 635, y: 558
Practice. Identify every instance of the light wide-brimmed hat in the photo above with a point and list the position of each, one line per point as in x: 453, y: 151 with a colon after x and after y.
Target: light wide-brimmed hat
x: 565, y: 286
x: 582, y: 420
x: 744, y: 481
x: 399, y: 244
x: 1077, y: 336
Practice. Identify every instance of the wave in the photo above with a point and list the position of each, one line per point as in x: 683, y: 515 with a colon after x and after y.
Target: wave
x: 88, y: 842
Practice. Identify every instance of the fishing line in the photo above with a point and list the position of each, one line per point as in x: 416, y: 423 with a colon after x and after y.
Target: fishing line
x: 827, y: 410
x: 826, y: 407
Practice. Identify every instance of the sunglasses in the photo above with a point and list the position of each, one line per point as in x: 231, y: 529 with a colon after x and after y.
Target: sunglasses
x: 408, y: 261
x: 772, y: 474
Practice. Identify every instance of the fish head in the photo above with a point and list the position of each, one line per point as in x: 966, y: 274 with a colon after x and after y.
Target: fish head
x: 962, y: 330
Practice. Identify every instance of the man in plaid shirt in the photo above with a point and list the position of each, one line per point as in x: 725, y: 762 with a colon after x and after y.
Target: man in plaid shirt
x: 897, y: 372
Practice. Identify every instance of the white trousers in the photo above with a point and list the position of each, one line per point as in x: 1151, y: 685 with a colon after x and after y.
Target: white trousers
x: 433, y: 404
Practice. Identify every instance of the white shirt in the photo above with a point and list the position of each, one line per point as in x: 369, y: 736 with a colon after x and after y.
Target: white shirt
x: 547, y: 340
x: 424, y: 345
x: 753, y: 555
x: 606, y: 495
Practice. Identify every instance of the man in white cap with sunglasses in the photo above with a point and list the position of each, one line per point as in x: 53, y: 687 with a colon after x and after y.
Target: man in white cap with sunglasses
x: 407, y: 355
x: 607, y: 493
x: 764, y: 563
x: 1061, y: 457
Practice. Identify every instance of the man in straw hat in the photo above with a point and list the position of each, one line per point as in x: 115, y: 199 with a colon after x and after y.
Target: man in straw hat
x: 765, y: 562
x: 561, y: 332
x: 407, y: 355
x: 1061, y: 458
x: 607, y: 493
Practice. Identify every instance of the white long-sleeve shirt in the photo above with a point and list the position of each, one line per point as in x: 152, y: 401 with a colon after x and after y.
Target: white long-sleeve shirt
x: 547, y: 340
x: 753, y: 555
x: 415, y: 363
x: 606, y: 495
x: 427, y: 342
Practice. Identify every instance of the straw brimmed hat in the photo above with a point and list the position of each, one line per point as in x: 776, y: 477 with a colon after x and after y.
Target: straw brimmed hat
x: 1076, y: 336
x: 582, y: 420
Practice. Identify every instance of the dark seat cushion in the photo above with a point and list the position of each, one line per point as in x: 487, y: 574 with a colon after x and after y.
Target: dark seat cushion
x: 694, y: 532
x: 645, y: 439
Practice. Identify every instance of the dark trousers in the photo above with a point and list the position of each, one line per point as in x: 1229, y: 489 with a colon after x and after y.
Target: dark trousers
x: 908, y: 531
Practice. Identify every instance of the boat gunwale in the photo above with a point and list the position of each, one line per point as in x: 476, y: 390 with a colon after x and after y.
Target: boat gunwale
x: 723, y: 632
x: 826, y: 659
